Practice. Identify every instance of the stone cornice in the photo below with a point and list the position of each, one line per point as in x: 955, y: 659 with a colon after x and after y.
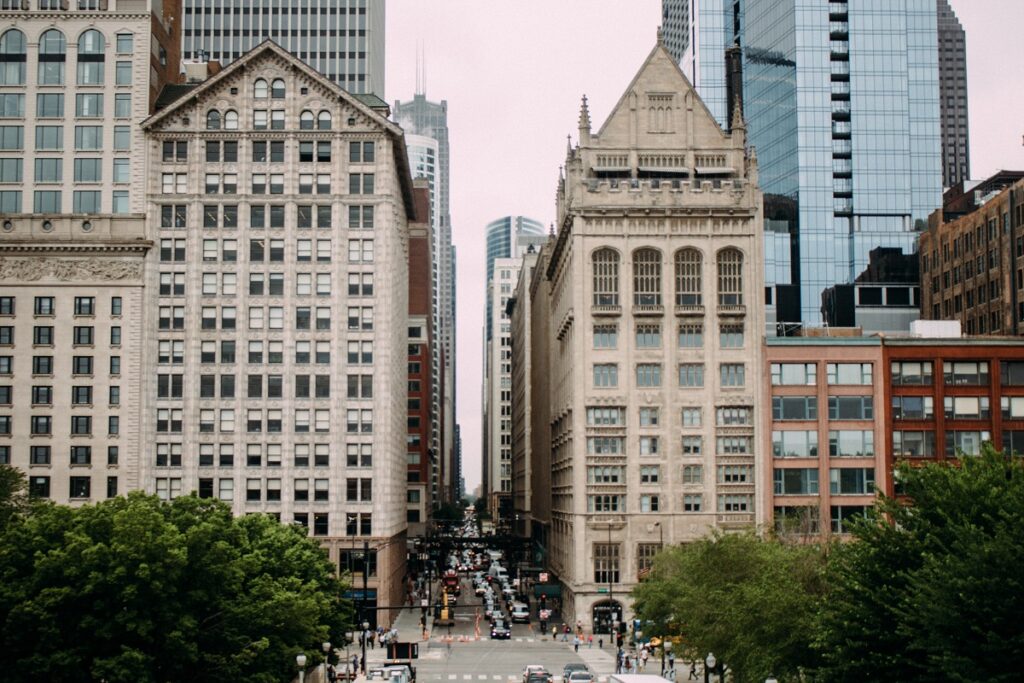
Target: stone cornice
x: 13, y: 247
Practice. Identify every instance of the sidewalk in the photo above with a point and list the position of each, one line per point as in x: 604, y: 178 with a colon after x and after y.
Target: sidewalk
x: 408, y: 625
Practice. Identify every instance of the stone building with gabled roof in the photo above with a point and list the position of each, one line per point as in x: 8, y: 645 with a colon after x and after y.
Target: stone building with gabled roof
x: 277, y: 362
x: 654, y: 343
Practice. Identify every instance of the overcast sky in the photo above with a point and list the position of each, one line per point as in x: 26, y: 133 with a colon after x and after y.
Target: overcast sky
x: 513, y: 74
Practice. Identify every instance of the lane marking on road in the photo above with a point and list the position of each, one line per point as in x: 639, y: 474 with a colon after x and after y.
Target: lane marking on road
x: 452, y: 677
x: 467, y: 677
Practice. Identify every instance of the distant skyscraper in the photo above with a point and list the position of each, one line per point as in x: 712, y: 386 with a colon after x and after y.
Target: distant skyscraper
x: 509, y: 237
x: 426, y: 126
x: 956, y: 158
x: 342, y: 39
x: 849, y: 154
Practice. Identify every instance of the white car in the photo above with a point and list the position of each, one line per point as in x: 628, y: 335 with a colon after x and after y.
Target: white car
x: 533, y: 668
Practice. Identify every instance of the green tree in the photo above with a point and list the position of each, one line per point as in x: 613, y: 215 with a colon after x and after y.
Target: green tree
x: 134, y: 589
x: 932, y: 587
x: 751, y: 601
x: 13, y: 499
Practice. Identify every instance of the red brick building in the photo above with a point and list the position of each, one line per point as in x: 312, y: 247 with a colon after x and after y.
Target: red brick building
x: 421, y: 378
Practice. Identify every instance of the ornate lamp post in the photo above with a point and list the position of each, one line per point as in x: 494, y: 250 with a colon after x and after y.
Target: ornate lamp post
x: 300, y: 660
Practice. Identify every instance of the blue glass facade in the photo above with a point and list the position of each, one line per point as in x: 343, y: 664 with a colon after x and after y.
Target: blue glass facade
x: 507, y: 238
x: 713, y: 28
x: 841, y: 99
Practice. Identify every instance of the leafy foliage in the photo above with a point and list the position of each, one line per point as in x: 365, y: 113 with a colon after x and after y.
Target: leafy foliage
x: 933, y: 590
x: 134, y: 589
x: 13, y: 500
x: 749, y: 600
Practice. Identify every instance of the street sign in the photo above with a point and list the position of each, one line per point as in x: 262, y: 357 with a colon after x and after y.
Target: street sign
x: 543, y: 577
x: 602, y: 590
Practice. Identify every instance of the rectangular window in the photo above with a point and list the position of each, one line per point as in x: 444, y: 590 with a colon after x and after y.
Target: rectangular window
x: 911, y: 373
x: 648, y: 375
x: 732, y: 374
x: 912, y: 407
x: 965, y: 373
x: 796, y: 482
x: 851, y: 481
x: 605, y: 336
x: 801, y: 374
x: 648, y: 336
x: 795, y: 444
x: 851, y: 443
x: 850, y: 373
x: 606, y: 375
x: 691, y: 336
x: 691, y: 417
x: 850, y: 408
x: 730, y: 336
x: 691, y: 375
x: 794, y: 408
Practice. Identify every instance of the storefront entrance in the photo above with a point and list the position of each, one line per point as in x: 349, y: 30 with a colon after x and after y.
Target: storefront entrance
x: 605, y: 614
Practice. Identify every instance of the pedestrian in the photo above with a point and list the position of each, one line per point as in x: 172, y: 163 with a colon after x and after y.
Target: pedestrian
x: 554, y: 633
x: 600, y: 642
x: 618, y: 662
x: 355, y: 665
x: 693, y: 672
x: 590, y: 641
x: 576, y: 644
x: 565, y: 633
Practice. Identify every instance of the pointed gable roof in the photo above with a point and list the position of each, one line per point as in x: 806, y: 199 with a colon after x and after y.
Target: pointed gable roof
x: 268, y: 48
x: 660, y: 73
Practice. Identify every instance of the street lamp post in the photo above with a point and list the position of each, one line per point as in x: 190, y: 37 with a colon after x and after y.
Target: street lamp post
x: 350, y: 637
x: 327, y: 656
x: 709, y: 665
x: 770, y: 679
x: 366, y: 626
x: 300, y: 659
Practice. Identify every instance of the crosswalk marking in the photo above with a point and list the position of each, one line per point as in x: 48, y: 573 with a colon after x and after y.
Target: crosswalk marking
x: 452, y: 677
x: 467, y: 677
x: 482, y: 677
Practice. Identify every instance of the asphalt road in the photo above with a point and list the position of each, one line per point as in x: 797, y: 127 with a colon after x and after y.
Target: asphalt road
x: 462, y: 657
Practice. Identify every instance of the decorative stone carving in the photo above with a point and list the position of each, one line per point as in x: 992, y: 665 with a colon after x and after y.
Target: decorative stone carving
x: 31, y: 270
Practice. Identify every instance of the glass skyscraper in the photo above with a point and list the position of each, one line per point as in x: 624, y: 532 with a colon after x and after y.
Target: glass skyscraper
x: 841, y: 100
x: 342, y: 39
x: 509, y: 237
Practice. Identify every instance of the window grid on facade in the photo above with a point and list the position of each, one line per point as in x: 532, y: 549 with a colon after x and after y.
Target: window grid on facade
x: 606, y: 277
x: 689, y: 272
x: 730, y: 278
x: 647, y: 277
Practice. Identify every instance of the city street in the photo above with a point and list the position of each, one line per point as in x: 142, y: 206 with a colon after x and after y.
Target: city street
x: 456, y: 654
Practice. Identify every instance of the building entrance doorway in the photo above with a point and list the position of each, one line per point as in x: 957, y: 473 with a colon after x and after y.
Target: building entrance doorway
x: 605, y: 614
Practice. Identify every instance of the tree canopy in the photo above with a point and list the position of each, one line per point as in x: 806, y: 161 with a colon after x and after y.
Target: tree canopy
x: 750, y: 601
x: 135, y: 589
x: 932, y: 587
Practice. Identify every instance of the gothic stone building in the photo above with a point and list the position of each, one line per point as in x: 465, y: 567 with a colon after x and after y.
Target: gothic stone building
x: 655, y: 327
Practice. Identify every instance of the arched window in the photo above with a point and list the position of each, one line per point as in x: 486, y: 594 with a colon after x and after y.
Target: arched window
x: 259, y: 89
x: 323, y: 120
x: 277, y: 89
x: 91, y: 46
x: 306, y: 120
x: 730, y: 277
x: 231, y: 120
x: 52, y: 54
x: 606, y: 277
x: 213, y: 120
x: 12, y: 58
x: 689, y: 271
x: 646, y: 277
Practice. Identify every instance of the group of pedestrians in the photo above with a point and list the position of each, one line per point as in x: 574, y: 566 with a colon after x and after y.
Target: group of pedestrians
x: 631, y: 663
x: 380, y: 637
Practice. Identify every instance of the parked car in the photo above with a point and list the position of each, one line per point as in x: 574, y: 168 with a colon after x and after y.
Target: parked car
x: 580, y: 677
x: 499, y: 631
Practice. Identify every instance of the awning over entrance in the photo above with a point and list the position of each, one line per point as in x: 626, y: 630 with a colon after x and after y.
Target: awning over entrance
x: 552, y: 590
